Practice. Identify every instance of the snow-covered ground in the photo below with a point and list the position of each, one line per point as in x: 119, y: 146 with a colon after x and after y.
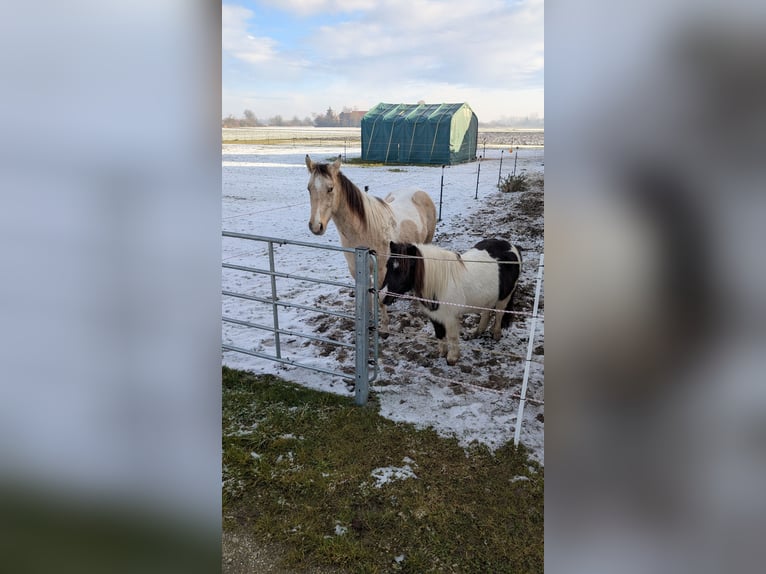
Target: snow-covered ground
x: 264, y: 193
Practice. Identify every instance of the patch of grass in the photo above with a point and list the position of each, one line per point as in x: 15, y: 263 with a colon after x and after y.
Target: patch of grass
x: 363, y: 163
x: 297, y: 464
x: 537, y: 181
x: 358, y: 161
x: 519, y: 182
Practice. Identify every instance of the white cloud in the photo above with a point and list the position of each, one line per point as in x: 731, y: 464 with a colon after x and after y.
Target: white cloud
x: 489, y: 54
x: 237, y: 41
x: 460, y: 42
x: 310, y: 7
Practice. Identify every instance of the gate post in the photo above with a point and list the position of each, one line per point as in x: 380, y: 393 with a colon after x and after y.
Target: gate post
x: 361, y: 349
x: 274, y: 309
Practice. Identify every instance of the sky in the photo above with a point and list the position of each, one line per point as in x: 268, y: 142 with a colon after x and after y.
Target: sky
x: 299, y: 57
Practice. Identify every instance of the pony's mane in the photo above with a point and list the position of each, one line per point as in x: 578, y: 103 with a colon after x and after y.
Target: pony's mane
x: 439, y: 269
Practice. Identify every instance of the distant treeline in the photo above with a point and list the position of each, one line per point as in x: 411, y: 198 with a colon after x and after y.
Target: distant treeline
x: 349, y: 118
x: 515, y: 122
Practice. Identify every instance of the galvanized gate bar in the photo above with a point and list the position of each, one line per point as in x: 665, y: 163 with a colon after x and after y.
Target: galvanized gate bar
x: 286, y: 332
x: 283, y: 241
x: 346, y: 376
x: 286, y: 275
x: 285, y: 304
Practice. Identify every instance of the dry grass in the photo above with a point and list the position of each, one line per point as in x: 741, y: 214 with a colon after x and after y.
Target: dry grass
x: 297, y: 470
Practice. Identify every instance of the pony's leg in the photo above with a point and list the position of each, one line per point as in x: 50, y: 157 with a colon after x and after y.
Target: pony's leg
x: 483, y: 322
x: 439, y: 331
x: 453, y: 340
x: 497, y: 328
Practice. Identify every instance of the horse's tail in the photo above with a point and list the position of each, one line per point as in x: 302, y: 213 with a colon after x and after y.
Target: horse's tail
x: 513, y: 254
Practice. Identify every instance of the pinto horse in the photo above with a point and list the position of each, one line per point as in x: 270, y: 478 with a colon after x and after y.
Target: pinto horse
x: 450, y: 284
x: 407, y: 215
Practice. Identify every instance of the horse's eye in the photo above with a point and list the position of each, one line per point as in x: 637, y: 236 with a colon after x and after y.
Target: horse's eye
x: 329, y: 189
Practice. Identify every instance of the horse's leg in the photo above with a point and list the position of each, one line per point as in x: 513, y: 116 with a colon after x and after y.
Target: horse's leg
x: 383, y: 326
x: 452, y: 327
x: 351, y: 263
x: 383, y: 319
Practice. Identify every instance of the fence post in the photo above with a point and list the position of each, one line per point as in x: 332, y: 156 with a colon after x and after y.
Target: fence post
x: 530, y: 345
x: 274, y: 309
x: 500, y: 171
x: 515, y: 157
x: 478, y: 171
x: 362, y: 290
x: 441, y: 191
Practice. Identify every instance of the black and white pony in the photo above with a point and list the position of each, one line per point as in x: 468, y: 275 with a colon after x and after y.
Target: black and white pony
x: 452, y: 283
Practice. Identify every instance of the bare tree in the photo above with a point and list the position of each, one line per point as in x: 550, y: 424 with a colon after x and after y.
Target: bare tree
x: 330, y: 119
x: 250, y: 119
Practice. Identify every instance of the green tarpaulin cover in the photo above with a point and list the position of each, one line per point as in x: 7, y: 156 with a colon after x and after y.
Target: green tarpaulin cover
x: 420, y: 133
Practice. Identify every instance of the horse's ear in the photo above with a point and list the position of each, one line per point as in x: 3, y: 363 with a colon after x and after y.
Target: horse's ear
x: 335, y: 166
x: 391, y: 246
x: 412, y: 251
x: 309, y: 163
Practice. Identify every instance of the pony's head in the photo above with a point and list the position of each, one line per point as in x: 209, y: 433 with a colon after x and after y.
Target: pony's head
x: 324, y: 193
x: 403, y: 270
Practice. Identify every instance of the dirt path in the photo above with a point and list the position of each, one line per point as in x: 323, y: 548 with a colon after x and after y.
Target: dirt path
x: 242, y: 554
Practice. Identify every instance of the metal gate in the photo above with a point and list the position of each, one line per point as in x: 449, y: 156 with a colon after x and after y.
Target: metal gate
x: 365, y: 317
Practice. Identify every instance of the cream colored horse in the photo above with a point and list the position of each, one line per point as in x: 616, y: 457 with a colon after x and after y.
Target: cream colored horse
x: 405, y: 216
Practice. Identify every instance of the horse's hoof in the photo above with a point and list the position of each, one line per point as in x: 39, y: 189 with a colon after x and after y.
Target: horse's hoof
x: 451, y: 362
x: 497, y: 336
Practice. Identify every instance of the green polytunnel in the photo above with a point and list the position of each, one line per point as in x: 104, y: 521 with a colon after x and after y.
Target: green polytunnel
x: 441, y: 134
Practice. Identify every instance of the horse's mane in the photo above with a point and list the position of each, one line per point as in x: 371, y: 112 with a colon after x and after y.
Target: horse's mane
x: 355, y: 199
x: 440, y: 268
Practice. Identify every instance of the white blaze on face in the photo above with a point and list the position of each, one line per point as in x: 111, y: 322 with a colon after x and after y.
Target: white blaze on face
x: 321, y: 204
x: 314, y: 222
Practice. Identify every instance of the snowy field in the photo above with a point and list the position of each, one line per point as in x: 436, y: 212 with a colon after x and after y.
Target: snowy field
x: 488, y: 137
x: 264, y: 193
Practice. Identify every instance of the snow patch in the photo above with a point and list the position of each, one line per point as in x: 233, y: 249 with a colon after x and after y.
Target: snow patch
x: 387, y: 474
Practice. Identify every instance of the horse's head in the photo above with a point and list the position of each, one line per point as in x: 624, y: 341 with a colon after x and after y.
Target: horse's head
x: 324, y: 193
x: 401, y: 270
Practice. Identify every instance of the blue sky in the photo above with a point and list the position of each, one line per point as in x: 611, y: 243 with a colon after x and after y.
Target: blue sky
x: 299, y: 57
